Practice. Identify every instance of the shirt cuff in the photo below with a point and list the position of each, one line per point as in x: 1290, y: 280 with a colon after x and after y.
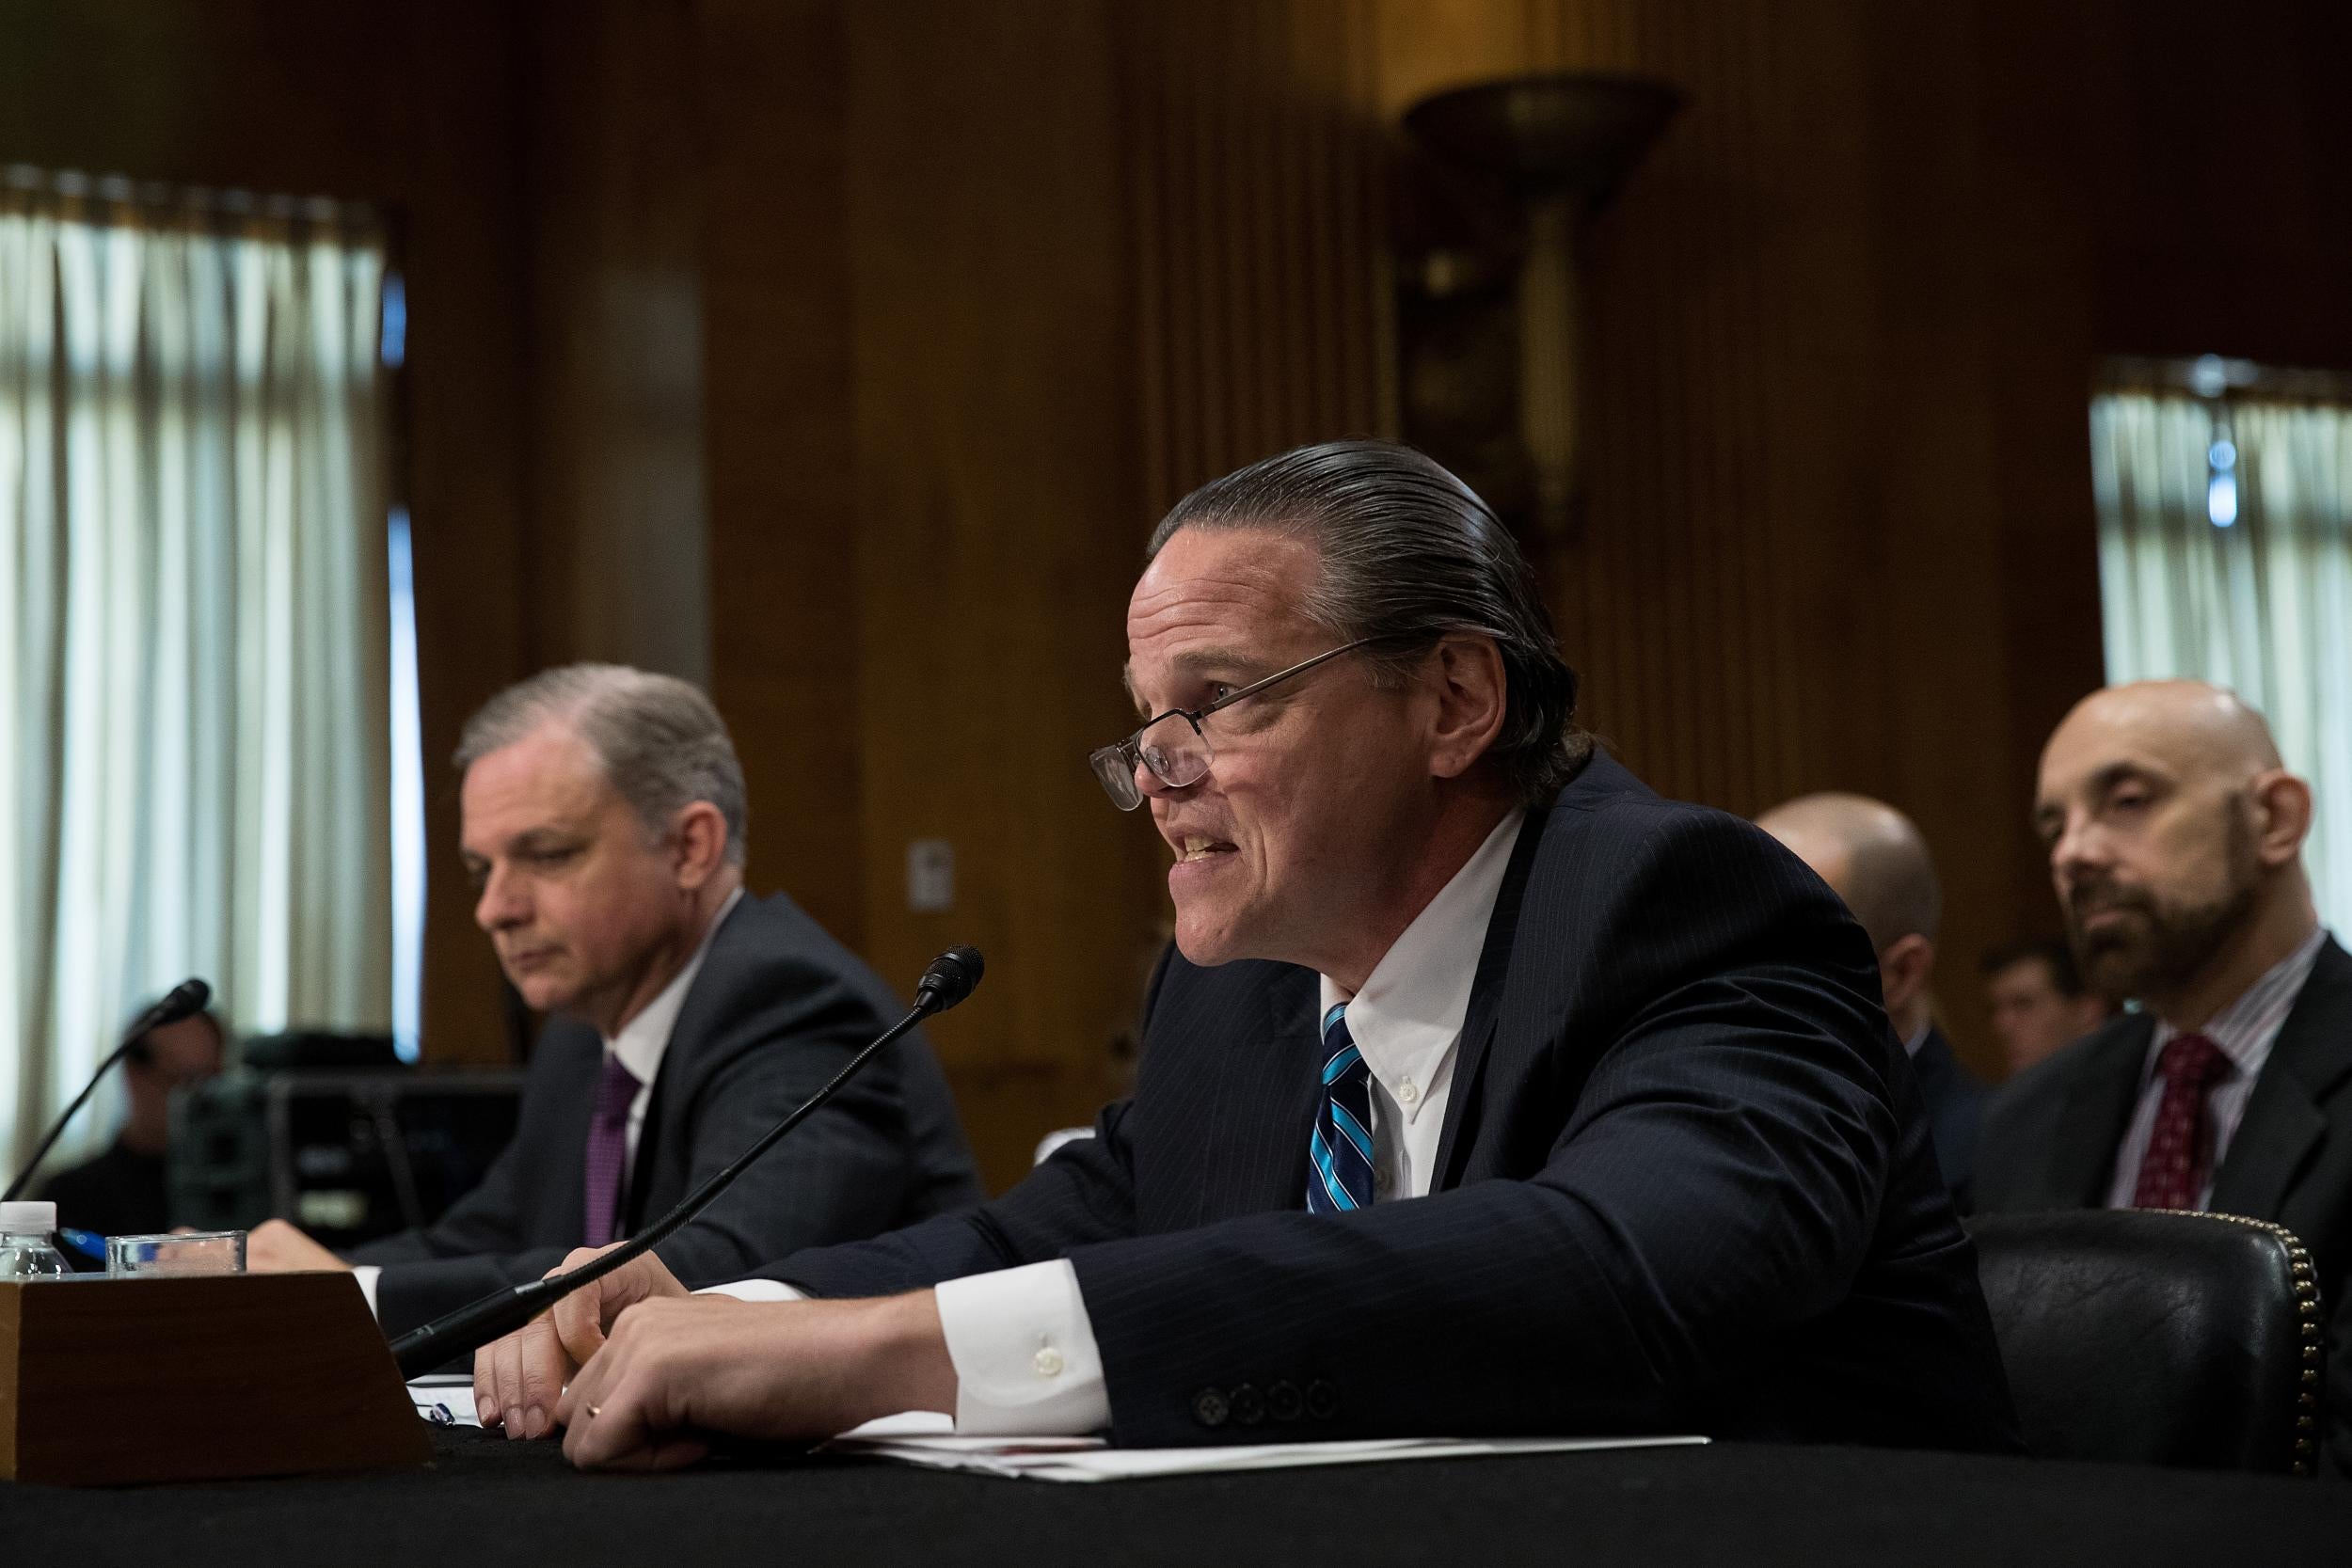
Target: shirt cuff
x: 753, y: 1289
x: 366, y: 1274
x: 1026, y: 1364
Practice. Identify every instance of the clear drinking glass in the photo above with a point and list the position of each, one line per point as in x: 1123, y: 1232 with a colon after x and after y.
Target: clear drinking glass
x: 190, y: 1251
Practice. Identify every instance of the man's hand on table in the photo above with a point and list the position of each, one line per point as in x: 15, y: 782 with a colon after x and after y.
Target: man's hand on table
x: 645, y: 1358
x: 517, y: 1380
x: 673, y: 1372
x: 275, y: 1247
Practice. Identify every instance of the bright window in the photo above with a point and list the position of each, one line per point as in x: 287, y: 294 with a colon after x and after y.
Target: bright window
x: 2225, y: 553
x: 194, y: 607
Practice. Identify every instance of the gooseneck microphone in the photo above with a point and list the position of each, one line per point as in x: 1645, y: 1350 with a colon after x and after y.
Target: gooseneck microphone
x: 947, y: 981
x: 184, y: 1000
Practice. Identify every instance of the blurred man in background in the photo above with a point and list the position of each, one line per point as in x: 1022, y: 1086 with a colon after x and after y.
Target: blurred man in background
x: 2176, y: 847
x: 123, y: 1191
x: 2038, y: 1000
x: 1874, y: 858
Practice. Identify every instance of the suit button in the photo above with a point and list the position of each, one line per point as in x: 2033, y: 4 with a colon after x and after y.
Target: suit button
x: 1248, y: 1405
x: 1209, y: 1408
x: 1284, y: 1403
x: 1323, y: 1401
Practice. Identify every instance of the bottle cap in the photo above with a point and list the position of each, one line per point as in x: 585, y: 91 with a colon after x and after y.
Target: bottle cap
x: 22, y: 1218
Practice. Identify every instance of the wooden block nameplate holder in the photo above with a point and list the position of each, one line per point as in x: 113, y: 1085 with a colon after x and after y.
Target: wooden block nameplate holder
x: 114, y: 1382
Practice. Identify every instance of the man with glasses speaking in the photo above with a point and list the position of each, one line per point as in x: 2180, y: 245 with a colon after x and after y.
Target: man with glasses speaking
x: 1483, y: 1092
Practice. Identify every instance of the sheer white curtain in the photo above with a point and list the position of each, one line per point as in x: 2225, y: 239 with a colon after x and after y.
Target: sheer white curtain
x: 2262, y: 605
x: 192, y: 626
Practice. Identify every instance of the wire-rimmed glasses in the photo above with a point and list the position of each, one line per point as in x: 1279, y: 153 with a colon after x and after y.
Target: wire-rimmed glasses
x: 1170, y: 744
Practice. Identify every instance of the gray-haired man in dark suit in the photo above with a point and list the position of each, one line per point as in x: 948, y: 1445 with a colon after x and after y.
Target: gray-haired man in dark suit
x: 604, y: 828
x: 1483, y: 1091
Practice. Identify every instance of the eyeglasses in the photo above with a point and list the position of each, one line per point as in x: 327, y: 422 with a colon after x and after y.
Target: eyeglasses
x: 1171, y: 744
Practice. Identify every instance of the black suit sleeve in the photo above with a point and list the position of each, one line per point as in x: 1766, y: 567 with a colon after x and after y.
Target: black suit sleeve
x: 482, y: 1221
x: 492, y: 1218
x: 784, y: 1026
x: 1718, y: 1178
x: 482, y: 1243
x: 1084, y: 1192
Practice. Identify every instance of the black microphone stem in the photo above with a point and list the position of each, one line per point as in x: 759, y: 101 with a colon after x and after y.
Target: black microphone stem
x: 183, y: 1000
x: 59, y: 1125
x: 469, y: 1328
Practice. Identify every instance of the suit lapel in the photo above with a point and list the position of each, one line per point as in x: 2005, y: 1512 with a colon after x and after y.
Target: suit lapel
x: 555, y: 1200
x: 2091, y: 1116
x: 697, y: 1018
x: 1245, y: 1138
x: 1294, y: 1053
x: 1480, y: 1023
x: 2284, y: 1123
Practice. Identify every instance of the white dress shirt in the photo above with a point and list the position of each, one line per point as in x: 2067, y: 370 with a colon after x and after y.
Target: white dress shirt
x: 641, y: 1044
x: 2245, y: 1030
x: 1024, y: 1349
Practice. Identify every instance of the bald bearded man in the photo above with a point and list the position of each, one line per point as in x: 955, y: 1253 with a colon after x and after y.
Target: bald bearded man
x: 1874, y: 858
x: 2175, y: 837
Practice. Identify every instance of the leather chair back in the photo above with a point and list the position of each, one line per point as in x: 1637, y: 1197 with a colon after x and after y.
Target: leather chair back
x: 2156, y: 1336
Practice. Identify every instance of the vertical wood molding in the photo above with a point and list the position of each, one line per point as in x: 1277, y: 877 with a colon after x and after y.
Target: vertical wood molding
x: 615, y: 152
x: 1258, y: 214
x: 998, y: 534
x: 778, y: 394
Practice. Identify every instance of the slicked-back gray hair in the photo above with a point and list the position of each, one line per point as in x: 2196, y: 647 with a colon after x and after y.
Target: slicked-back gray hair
x: 1409, y: 555
x: 661, y: 740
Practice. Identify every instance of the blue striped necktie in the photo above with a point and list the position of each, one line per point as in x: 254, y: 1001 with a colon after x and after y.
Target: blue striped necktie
x: 1339, y: 1155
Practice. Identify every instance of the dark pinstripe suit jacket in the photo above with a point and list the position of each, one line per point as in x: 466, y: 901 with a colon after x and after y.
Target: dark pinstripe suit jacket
x: 1686, y: 1182
x: 776, y: 1009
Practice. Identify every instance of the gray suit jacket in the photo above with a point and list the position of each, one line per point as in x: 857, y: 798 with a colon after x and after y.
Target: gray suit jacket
x: 777, y: 1008
x: 2051, y: 1135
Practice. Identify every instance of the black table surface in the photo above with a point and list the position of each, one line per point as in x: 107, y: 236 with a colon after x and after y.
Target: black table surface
x: 485, y: 1501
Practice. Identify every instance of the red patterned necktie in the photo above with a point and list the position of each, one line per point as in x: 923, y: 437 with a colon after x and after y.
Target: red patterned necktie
x: 2180, y: 1146
x: 607, y: 1150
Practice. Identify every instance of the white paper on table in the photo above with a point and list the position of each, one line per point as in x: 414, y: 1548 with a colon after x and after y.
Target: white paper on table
x: 445, y: 1398
x: 926, y: 1439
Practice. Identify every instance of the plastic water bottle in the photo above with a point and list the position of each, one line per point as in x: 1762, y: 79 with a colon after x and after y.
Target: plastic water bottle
x: 25, y: 1249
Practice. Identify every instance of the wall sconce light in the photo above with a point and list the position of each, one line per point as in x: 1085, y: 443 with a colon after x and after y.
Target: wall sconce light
x: 1488, y: 315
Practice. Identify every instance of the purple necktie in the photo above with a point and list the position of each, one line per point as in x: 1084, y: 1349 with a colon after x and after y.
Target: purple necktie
x: 607, y: 1150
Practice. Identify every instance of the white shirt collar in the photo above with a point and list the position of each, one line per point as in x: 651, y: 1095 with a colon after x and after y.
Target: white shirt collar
x: 2248, y: 1027
x: 1409, y: 1017
x: 645, y: 1040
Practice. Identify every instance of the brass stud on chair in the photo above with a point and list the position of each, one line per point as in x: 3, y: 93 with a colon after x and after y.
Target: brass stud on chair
x: 2301, y: 1272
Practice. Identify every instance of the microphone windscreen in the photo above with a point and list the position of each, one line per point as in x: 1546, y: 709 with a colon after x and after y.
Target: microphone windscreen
x: 184, y: 1000
x: 951, y: 977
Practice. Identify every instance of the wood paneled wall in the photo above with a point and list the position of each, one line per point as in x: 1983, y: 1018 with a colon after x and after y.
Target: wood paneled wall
x: 615, y: 433
x: 1258, y: 173
x: 924, y: 516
